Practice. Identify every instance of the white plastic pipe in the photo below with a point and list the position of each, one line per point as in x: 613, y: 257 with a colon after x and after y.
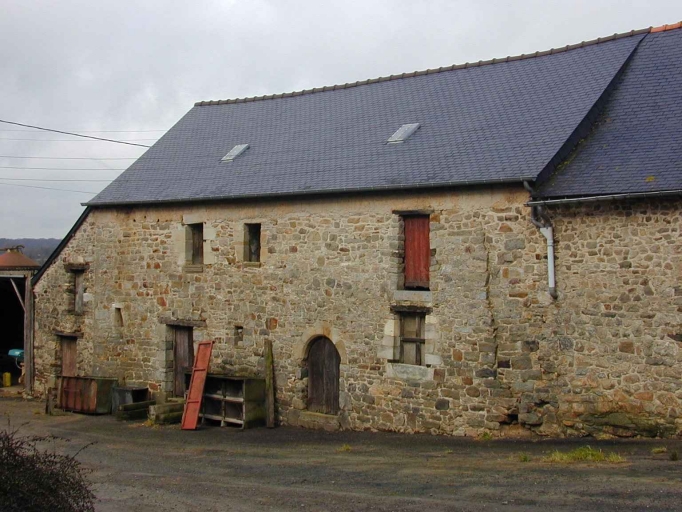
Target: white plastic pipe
x: 548, y: 233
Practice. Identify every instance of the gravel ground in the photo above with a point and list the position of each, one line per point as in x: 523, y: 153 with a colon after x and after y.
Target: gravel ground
x: 134, y: 467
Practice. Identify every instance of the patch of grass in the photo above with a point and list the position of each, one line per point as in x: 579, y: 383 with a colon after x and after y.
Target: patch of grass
x: 449, y: 452
x: 674, y: 455
x: 584, y: 454
x: 344, y: 448
x: 485, y: 436
x: 658, y: 449
x: 524, y: 457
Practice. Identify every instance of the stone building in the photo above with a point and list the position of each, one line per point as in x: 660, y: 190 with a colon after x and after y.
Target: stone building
x: 466, y: 249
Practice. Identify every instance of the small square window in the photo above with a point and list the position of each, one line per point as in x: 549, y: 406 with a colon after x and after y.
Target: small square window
x: 238, y: 335
x: 412, y: 338
x: 252, y: 242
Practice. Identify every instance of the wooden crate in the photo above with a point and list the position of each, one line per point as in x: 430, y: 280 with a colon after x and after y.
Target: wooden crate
x: 90, y: 395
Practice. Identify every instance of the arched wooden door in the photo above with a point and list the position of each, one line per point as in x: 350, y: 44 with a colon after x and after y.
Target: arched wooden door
x: 323, y: 376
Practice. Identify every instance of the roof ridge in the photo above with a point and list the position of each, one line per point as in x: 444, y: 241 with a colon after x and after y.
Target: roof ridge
x: 441, y: 69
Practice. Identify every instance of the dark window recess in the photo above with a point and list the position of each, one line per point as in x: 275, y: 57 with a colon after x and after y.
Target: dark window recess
x: 412, y: 338
x: 417, y: 252
x: 238, y: 334
x: 252, y: 242
x: 118, y: 317
x: 78, y: 291
x: 197, y: 231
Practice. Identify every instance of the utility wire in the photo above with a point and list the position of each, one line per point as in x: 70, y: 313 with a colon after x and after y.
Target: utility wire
x: 72, y: 140
x: 49, y: 188
x: 40, y: 179
x: 95, y: 131
x: 55, y: 169
x: 74, y: 134
x: 72, y: 157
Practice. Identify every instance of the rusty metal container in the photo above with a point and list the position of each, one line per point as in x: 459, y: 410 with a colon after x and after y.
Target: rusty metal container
x: 90, y: 395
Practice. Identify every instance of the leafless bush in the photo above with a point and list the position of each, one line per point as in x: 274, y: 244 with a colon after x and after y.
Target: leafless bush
x: 32, y: 479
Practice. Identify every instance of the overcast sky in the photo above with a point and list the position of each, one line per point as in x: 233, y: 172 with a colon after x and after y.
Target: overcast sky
x: 130, y: 70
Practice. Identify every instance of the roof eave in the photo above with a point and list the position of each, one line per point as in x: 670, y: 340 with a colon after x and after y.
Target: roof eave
x: 385, y: 188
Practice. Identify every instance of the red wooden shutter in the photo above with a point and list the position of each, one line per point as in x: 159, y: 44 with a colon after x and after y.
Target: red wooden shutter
x: 417, y: 251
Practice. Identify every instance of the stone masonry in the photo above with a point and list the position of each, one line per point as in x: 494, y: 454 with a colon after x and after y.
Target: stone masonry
x: 603, y: 358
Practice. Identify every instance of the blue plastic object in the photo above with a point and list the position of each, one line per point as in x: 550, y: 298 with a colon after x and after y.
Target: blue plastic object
x: 17, y: 354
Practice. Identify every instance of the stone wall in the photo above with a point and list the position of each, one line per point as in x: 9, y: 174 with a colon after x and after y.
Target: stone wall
x: 603, y: 357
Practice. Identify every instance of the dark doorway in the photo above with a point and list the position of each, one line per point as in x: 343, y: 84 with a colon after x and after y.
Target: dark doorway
x: 183, y: 348
x: 323, y: 376
x: 12, y: 323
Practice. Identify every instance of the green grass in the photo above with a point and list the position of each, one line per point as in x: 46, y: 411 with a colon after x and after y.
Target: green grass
x: 674, y: 455
x: 658, y: 449
x: 584, y: 454
x: 524, y: 457
x: 485, y: 436
x: 344, y: 448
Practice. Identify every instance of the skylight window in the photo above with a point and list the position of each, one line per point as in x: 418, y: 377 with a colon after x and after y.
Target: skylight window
x: 235, y: 152
x: 403, y: 133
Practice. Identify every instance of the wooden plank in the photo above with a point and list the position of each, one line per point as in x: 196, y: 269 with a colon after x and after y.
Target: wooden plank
x: 417, y: 251
x: 69, y: 356
x: 183, y: 357
x: 269, y: 385
x: 79, y: 285
x: 28, y: 336
x: 136, y: 406
x: 196, y: 386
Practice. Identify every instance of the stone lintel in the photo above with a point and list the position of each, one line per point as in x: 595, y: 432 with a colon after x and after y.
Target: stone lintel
x: 76, y: 267
x: 405, y: 213
x: 68, y: 334
x: 182, y: 323
x: 410, y: 308
x: 414, y: 296
x: 409, y: 372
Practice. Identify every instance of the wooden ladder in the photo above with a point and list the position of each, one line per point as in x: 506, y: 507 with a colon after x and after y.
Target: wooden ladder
x: 190, y: 415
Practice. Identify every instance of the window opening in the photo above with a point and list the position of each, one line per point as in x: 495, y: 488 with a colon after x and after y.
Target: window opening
x: 417, y: 251
x: 412, y: 338
x: 78, y: 291
x: 252, y: 242
x: 197, y: 233
x: 238, y: 334
x: 118, y: 317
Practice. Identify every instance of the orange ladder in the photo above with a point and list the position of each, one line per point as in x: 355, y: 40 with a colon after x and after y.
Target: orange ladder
x: 190, y: 415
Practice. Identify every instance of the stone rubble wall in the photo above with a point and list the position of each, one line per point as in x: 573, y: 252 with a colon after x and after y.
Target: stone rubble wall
x: 603, y: 358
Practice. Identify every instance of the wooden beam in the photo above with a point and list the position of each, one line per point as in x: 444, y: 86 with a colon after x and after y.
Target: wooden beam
x: 182, y: 323
x: 269, y: 385
x: 16, y: 290
x: 29, y: 370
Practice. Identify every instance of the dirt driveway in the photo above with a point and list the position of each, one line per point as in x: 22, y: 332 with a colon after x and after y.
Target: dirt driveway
x: 140, y: 468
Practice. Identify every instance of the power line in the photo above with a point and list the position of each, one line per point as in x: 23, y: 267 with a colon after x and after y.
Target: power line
x: 49, y: 188
x: 72, y: 140
x: 56, y: 169
x: 74, y: 134
x: 72, y: 157
x: 39, y: 179
x: 95, y: 131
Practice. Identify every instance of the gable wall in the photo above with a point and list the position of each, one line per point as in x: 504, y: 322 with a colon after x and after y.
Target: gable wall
x: 499, y: 348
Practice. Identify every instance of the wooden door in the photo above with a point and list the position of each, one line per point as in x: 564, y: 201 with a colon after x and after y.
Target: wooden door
x: 69, y: 356
x: 323, y: 377
x: 183, y: 357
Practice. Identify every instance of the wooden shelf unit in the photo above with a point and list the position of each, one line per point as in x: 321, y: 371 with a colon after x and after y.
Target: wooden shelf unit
x: 233, y: 400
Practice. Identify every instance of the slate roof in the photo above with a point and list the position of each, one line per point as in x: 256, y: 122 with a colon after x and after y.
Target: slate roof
x: 636, y: 144
x: 492, y: 122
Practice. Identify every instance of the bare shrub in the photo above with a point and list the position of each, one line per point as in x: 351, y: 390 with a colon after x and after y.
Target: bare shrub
x: 32, y: 479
